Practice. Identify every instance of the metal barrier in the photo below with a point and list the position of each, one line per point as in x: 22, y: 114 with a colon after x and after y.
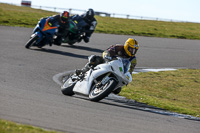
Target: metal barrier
x: 104, y: 14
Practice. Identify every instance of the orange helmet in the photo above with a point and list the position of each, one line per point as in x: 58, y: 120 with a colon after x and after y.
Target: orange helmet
x: 131, y: 46
x: 64, y: 16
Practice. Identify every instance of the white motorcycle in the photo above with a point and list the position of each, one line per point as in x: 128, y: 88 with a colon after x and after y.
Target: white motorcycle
x: 99, y: 82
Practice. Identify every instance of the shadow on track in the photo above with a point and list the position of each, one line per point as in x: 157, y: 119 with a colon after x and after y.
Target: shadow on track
x: 128, y: 103
x: 84, y: 48
x: 53, y: 51
x: 112, y: 100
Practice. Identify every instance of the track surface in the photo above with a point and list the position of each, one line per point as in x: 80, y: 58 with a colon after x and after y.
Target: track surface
x: 29, y: 95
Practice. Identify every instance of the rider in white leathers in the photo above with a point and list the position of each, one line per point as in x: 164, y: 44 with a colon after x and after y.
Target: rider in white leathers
x: 128, y: 51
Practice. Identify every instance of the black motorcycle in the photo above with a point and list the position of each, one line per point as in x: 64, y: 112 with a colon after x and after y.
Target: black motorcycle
x: 76, y: 31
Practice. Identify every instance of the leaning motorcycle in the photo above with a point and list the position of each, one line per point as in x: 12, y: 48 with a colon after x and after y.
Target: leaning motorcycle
x: 100, y: 81
x: 76, y: 31
x: 43, y: 33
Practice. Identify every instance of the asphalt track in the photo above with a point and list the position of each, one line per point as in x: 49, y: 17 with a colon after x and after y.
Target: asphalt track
x: 29, y: 95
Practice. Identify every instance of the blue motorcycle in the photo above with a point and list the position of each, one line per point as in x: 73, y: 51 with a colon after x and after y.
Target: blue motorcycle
x: 43, y: 33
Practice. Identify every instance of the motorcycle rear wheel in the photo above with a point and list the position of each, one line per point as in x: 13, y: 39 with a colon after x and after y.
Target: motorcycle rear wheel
x: 67, y: 88
x: 97, y: 94
x: 31, y: 42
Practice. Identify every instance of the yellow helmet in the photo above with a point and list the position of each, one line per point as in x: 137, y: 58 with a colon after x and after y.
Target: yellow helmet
x: 131, y: 46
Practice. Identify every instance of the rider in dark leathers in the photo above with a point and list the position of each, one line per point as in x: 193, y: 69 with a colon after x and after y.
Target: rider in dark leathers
x: 86, y: 23
x: 63, y: 22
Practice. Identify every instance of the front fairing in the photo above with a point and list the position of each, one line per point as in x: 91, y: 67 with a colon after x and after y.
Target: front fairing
x: 45, y: 29
x: 121, y: 70
x: 46, y: 26
x: 73, y: 27
x: 80, y: 23
x: 39, y: 25
x: 119, y: 67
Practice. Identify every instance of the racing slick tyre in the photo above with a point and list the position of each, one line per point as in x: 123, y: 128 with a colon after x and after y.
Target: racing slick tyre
x: 31, y: 42
x: 67, y: 88
x: 99, y: 92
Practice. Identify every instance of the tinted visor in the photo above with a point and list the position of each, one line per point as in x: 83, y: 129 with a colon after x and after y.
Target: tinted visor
x: 132, y: 50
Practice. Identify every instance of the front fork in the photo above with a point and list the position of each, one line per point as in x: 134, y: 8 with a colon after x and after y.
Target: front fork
x: 39, y: 36
x: 103, y: 81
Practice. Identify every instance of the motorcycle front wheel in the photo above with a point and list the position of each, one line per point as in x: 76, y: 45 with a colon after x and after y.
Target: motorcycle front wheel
x: 31, y: 42
x: 98, y: 93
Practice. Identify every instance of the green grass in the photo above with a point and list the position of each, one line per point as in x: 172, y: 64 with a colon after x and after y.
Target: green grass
x: 28, y: 17
x: 177, y: 91
x: 11, y: 127
x: 11, y: 15
x: 148, y: 28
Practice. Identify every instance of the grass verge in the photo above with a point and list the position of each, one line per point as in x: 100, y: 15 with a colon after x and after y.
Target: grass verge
x: 11, y: 127
x: 27, y: 17
x: 177, y: 91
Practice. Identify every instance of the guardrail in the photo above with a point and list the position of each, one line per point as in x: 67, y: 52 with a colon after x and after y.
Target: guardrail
x: 115, y: 15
